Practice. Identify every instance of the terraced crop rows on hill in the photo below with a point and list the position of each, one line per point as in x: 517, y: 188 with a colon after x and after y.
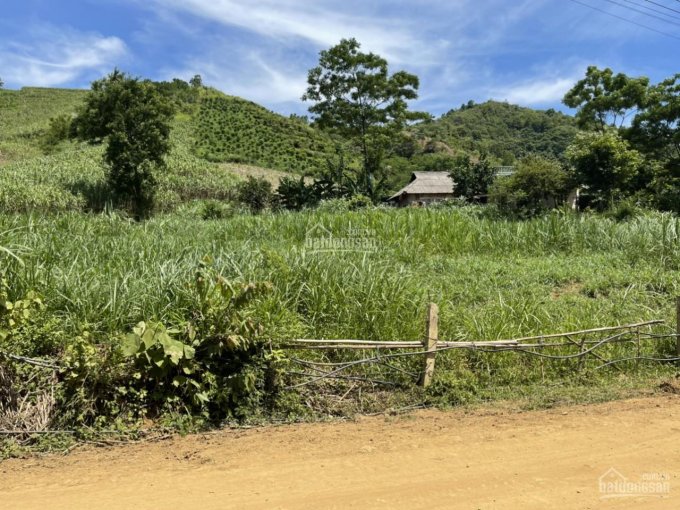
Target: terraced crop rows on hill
x: 230, y: 129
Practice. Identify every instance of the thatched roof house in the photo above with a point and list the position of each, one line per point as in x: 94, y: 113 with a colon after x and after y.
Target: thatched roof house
x: 425, y: 187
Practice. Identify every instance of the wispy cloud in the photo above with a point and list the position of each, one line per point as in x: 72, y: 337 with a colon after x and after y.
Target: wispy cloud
x: 538, y: 91
x: 256, y: 79
x: 55, y: 57
x: 322, y: 23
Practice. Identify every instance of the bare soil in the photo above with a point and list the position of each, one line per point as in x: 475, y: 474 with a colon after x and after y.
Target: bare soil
x: 482, y: 459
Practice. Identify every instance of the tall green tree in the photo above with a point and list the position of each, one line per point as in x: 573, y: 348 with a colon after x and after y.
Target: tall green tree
x: 355, y: 96
x: 657, y: 127
x: 656, y: 132
x: 133, y: 119
x: 605, y: 164
x: 605, y: 99
x: 472, y: 177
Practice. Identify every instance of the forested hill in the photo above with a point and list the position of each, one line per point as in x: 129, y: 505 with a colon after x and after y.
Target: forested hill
x: 502, y: 130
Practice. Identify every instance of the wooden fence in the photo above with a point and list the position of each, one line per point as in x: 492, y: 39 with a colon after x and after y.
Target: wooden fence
x: 530, y: 345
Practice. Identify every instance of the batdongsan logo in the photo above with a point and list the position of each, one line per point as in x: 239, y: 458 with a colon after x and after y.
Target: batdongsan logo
x: 613, y: 484
x: 319, y: 239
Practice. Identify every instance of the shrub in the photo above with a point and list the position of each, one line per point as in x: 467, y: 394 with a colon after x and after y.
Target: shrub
x: 539, y: 184
x: 294, y: 194
x: 58, y: 131
x: 255, y: 193
x: 214, y: 210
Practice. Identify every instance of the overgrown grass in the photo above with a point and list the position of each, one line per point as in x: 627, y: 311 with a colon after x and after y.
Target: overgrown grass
x: 492, y: 278
x: 25, y: 115
x: 75, y: 179
x: 102, y: 274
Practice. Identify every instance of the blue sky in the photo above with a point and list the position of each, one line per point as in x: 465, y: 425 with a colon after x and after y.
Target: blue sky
x: 527, y: 52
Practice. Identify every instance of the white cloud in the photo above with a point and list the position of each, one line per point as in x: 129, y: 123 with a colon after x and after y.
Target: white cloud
x: 323, y: 23
x: 255, y: 80
x: 536, y: 92
x: 58, y: 56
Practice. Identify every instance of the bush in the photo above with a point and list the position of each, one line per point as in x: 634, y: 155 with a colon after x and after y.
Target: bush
x: 294, y: 194
x: 255, y: 193
x: 539, y: 184
x: 58, y: 131
x: 214, y: 210
x: 623, y: 211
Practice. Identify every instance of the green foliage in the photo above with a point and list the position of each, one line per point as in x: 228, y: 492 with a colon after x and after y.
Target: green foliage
x: 58, y: 131
x: 624, y: 210
x: 605, y: 99
x: 214, y: 365
x: 183, y: 96
x: 135, y: 121
x: 472, y: 178
x: 101, y: 274
x: 215, y: 210
x: 196, y: 81
x: 15, y: 314
x: 355, y: 96
x: 538, y: 184
x: 294, y: 194
x: 503, y: 131
x: 605, y: 164
x: 230, y: 129
x: 255, y: 193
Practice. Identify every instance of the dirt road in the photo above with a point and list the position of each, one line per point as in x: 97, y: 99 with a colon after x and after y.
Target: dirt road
x: 487, y: 459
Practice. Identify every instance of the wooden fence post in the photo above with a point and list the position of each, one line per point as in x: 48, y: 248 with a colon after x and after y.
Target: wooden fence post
x: 677, y: 327
x: 430, y: 344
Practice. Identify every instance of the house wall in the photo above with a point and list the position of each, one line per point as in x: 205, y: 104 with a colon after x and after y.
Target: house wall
x: 411, y: 199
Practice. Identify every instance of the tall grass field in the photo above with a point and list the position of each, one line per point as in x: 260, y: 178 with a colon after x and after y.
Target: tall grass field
x: 492, y: 279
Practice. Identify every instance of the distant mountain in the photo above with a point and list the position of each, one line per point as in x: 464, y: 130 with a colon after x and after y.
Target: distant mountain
x: 504, y: 131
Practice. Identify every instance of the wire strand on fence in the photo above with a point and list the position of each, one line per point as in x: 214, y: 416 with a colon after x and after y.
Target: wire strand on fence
x: 507, y: 347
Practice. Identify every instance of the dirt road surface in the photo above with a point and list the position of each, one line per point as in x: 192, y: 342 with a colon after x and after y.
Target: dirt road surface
x: 484, y: 459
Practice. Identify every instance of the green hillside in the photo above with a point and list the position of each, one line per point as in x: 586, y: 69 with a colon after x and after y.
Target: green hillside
x: 501, y: 130
x: 73, y: 177
x: 25, y: 114
x: 230, y: 129
x: 214, y: 132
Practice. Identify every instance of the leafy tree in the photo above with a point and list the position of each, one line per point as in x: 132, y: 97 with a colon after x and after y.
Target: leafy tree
x: 196, y: 82
x: 606, y: 99
x: 134, y: 120
x: 2, y: 83
x: 255, y: 193
x: 605, y: 164
x: 355, y: 96
x: 657, y: 128
x: 472, y: 177
x: 656, y: 132
x: 537, y: 185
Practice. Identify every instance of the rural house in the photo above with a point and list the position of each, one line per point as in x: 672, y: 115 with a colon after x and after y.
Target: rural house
x: 424, y: 188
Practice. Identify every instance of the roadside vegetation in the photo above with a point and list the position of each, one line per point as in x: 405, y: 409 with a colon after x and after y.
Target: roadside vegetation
x: 141, y: 279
